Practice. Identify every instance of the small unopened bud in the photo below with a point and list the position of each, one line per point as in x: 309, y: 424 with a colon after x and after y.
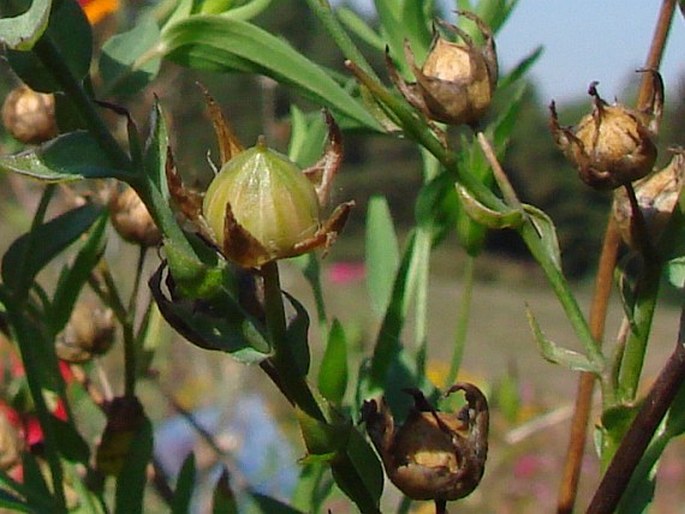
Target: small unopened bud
x: 657, y: 196
x: 433, y: 455
x: 612, y: 145
x: 456, y: 83
x: 90, y: 332
x: 29, y: 116
x: 131, y: 219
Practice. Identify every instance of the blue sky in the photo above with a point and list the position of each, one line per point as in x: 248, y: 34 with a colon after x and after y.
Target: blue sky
x: 586, y: 40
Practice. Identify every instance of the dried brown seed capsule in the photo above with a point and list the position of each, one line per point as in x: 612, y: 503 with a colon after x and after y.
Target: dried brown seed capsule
x: 657, y: 196
x: 433, y: 455
x: 261, y: 206
x: 90, y: 332
x: 29, y: 116
x: 612, y: 145
x: 131, y: 219
x: 456, y: 83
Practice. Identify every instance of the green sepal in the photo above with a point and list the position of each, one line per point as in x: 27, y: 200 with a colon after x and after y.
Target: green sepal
x: 485, y: 215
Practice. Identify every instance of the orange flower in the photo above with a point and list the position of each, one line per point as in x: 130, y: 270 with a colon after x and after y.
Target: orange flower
x: 96, y: 10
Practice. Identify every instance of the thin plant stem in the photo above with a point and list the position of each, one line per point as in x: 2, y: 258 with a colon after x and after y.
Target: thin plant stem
x: 603, y: 283
x: 570, y: 477
x: 462, y: 319
x: 636, y: 440
x: 51, y: 58
x: 290, y: 380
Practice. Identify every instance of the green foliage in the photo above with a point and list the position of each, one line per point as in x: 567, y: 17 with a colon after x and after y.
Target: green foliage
x: 455, y: 187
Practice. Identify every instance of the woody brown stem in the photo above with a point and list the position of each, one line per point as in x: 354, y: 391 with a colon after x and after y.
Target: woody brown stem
x: 581, y: 415
x: 574, y: 456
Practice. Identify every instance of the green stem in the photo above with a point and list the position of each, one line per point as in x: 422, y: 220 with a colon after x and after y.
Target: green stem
x: 462, y: 320
x: 51, y: 58
x: 292, y: 381
x: 636, y: 345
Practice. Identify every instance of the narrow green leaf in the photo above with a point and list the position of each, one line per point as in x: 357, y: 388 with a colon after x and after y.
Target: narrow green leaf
x: 71, y: 445
x: 72, y: 156
x: 13, y: 504
x: 132, y: 479
x: 248, y: 10
x: 333, y: 373
x: 359, y: 473
x: 70, y: 33
x: 388, y: 347
x: 220, y: 43
x: 548, y: 235
x: 556, y: 354
x: 185, y: 484
x: 23, y: 261
x: 358, y: 26
x: 127, y: 63
x: 382, y: 253
x: 21, y: 32
x: 308, y: 135
x: 268, y: 505
x: 520, y: 70
x: 223, y: 499
x: 73, y: 278
x: 156, y: 146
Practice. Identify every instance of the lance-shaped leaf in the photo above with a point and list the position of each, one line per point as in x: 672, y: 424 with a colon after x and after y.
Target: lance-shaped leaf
x: 333, y: 373
x: 22, y: 31
x: 31, y: 252
x: 223, y: 44
x: 72, y: 156
x: 544, y: 226
x: 382, y: 253
x: 124, y: 67
x: 555, y: 353
x: 67, y: 37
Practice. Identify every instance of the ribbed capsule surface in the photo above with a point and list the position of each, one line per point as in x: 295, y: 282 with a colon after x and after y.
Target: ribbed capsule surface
x: 269, y: 196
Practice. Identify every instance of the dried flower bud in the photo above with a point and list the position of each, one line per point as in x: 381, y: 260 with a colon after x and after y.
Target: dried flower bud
x: 29, y: 116
x: 261, y: 206
x: 456, y: 83
x: 131, y: 219
x: 90, y: 331
x: 657, y: 196
x: 125, y: 418
x: 433, y: 455
x: 11, y: 444
x: 612, y: 145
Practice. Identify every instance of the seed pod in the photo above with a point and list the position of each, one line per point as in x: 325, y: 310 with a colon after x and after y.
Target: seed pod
x: 657, y: 196
x: 261, y: 206
x: 29, y: 116
x: 456, y: 83
x: 131, y: 219
x: 434, y: 455
x: 612, y: 145
x: 269, y: 196
x: 90, y: 331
